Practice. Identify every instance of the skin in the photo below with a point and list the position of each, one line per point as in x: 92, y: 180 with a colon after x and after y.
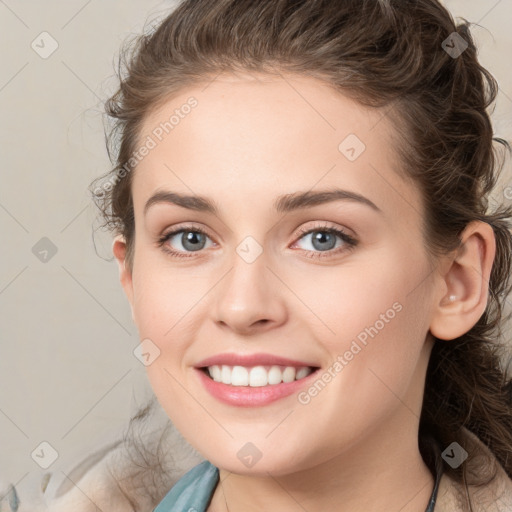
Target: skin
x: 250, y: 139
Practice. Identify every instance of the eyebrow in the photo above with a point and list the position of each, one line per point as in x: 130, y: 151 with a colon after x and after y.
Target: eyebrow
x: 283, y: 204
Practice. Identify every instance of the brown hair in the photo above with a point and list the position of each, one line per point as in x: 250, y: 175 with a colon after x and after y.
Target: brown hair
x: 387, y: 54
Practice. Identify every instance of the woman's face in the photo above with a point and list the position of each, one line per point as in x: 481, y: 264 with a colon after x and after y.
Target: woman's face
x: 270, y: 169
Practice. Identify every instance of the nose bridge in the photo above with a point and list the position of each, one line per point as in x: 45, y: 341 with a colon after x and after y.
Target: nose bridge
x: 248, y: 294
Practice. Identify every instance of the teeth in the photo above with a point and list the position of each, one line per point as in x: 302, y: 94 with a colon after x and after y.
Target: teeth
x: 289, y: 374
x: 239, y: 376
x: 275, y: 375
x: 257, y: 376
x: 225, y: 374
x: 302, y: 372
x: 215, y: 373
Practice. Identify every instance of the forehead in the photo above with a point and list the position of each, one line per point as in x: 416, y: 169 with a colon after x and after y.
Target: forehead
x: 255, y: 136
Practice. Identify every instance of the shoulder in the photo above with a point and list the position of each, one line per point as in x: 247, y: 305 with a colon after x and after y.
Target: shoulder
x: 493, y: 496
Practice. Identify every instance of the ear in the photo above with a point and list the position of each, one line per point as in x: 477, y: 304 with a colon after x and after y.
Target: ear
x: 464, y: 288
x: 125, y: 275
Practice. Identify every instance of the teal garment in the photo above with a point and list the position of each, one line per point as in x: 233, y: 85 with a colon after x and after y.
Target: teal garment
x: 193, y: 492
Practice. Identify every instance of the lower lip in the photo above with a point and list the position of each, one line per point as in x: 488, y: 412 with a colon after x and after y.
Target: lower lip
x: 246, y: 396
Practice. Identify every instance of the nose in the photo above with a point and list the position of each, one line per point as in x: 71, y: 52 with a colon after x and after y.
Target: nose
x: 250, y: 299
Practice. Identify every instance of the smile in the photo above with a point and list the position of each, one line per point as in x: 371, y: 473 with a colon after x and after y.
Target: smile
x: 257, y: 376
x: 254, y: 380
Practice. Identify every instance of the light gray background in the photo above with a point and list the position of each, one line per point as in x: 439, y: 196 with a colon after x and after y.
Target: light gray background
x: 68, y: 374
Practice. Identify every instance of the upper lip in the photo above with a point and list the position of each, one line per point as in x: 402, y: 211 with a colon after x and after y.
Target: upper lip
x: 230, y: 359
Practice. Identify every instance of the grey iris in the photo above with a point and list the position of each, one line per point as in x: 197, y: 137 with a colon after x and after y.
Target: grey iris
x: 189, y: 240
x: 321, y: 237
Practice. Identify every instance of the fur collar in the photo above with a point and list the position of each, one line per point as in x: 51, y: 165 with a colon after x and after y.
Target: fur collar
x: 496, y: 496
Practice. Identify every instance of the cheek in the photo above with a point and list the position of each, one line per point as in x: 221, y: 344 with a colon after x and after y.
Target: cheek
x: 164, y: 313
x: 383, y: 352
x: 169, y: 308
x: 375, y: 357
x: 163, y: 299
x: 347, y: 300
x: 374, y: 319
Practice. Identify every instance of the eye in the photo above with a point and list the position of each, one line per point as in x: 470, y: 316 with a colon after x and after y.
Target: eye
x: 324, y: 239
x: 191, y: 239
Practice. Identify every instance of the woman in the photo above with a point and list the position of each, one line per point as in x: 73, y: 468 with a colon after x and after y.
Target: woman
x: 300, y: 202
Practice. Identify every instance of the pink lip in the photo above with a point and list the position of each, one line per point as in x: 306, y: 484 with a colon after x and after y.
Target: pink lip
x: 245, y: 396
x: 249, y: 360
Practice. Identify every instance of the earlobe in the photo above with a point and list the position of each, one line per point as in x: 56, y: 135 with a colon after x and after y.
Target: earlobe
x: 125, y: 276
x: 464, y: 287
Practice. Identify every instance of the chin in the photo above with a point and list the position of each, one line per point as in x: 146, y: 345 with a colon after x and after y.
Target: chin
x: 248, y: 460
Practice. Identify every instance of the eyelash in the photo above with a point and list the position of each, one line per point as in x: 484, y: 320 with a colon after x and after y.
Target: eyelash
x: 349, y: 241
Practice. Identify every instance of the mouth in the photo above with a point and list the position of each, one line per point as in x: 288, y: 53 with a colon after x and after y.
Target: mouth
x: 256, y: 376
x: 251, y: 380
